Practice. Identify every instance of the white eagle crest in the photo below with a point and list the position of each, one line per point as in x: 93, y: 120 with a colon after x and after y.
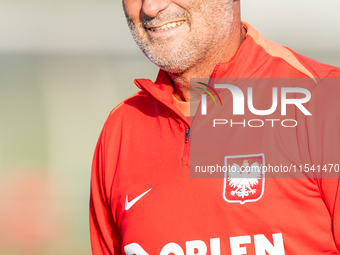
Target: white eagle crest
x: 244, y: 178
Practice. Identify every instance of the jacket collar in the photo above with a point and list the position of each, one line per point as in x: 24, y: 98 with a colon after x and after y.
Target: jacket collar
x: 243, y: 64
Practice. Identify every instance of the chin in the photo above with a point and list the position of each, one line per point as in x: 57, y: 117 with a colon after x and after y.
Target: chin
x: 175, y: 69
x: 171, y: 64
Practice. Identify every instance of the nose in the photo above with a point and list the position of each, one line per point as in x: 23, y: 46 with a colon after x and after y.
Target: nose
x: 151, y: 7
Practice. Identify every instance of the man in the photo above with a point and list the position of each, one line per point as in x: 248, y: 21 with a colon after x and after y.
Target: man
x: 143, y: 200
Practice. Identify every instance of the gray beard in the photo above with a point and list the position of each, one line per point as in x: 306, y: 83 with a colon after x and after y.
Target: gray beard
x: 174, y: 61
x: 190, y: 52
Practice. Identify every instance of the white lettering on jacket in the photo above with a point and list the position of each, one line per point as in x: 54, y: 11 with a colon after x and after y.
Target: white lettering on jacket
x: 197, y: 247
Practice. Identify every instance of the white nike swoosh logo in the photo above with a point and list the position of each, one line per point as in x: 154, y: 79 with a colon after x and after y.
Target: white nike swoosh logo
x: 128, y: 204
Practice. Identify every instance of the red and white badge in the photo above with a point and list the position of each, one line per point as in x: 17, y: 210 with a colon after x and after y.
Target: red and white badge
x: 244, y: 178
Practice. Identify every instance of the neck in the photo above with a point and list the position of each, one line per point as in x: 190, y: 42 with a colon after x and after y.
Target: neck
x: 222, y: 51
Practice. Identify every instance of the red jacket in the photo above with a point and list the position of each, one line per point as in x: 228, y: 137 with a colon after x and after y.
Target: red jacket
x: 143, y: 200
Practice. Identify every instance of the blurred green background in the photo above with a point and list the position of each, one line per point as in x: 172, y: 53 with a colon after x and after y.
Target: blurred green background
x: 63, y: 66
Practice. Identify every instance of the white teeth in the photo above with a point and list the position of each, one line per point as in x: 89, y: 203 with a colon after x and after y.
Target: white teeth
x: 167, y: 26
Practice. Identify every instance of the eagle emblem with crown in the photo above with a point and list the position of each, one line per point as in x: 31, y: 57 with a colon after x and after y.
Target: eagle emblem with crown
x: 244, y: 180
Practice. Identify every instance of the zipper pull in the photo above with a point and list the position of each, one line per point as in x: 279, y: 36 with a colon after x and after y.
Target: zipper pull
x: 187, y: 133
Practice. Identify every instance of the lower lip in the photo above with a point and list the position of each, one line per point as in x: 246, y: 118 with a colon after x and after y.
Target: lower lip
x: 164, y: 32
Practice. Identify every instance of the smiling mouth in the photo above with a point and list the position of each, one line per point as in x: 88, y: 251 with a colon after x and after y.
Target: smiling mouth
x: 166, y: 26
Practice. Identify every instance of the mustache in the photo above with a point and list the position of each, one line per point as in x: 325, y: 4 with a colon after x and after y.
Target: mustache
x: 164, y: 17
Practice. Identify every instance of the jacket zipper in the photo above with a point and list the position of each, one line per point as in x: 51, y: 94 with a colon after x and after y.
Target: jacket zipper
x: 187, y: 134
x: 186, y: 148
